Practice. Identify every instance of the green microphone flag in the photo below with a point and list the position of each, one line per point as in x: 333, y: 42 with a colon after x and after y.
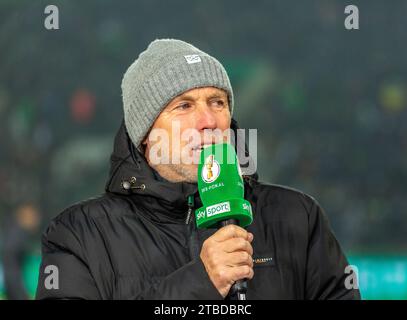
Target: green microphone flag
x: 221, y: 188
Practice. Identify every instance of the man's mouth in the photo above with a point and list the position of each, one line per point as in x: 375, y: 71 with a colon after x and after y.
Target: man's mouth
x: 201, y: 146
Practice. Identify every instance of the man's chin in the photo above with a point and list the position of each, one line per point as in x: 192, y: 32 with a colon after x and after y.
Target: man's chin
x: 178, y: 173
x: 190, y: 173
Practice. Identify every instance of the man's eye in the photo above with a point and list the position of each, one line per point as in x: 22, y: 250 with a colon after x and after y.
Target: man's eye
x: 183, y: 106
x: 219, y: 103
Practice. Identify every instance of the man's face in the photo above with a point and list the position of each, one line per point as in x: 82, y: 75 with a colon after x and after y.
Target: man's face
x: 187, y: 121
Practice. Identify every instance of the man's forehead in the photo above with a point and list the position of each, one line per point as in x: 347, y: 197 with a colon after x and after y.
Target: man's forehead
x: 207, y: 92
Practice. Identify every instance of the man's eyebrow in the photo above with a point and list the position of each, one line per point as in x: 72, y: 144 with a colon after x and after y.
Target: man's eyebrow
x: 217, y: 96
x: 184, y: 97
x: 191, y: 98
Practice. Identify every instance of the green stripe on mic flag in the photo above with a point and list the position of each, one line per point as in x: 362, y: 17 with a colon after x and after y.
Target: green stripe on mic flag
x: 238, y: 209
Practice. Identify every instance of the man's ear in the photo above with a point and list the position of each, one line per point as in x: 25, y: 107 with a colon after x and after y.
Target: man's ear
x: 144, y: 142
x: 143, y: 145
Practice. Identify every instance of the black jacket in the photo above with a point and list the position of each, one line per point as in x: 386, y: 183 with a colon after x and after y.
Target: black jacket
x: 137, y: 244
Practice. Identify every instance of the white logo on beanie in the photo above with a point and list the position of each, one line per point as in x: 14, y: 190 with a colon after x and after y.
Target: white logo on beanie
x: 192, y: 58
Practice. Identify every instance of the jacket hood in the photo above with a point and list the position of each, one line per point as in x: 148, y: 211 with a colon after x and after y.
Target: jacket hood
x: 128, y: 165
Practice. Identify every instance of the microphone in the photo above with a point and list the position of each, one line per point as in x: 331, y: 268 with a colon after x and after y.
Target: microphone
x: 220, y: 186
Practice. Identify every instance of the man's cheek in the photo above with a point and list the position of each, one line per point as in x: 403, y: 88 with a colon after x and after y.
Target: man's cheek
x: 159, y: 146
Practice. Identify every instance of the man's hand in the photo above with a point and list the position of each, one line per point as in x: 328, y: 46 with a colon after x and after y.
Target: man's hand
x: 227, y: 256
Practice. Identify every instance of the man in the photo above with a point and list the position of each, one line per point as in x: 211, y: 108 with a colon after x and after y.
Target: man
x: 139, y: 240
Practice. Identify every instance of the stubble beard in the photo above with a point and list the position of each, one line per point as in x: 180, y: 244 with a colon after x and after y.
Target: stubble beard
x: 178, y: 172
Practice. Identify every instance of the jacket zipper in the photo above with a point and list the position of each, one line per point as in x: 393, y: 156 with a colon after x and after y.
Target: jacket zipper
x: 194, y: 247
x: 190, y: 208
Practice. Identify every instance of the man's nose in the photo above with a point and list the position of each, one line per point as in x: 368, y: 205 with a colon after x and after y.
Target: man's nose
x: 205, y: 118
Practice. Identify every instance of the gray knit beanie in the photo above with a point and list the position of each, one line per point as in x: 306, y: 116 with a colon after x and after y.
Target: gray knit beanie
x: 166, y: 69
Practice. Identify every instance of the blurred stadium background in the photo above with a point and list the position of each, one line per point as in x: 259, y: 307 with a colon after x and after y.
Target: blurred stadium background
x: 330, y: 106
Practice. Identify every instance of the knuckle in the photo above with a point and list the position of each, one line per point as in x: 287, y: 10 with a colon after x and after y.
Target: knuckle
x: 205, y: 244
x: 247, y: 246
x: 242, y: 243
x: 244, y: 256
x: 215, y: 260
x: 221, y: 274
x: 251, y: 261
x: 247, y: 270
x: 250, y: 249
x: 232, y: 229
x: 210, y: 250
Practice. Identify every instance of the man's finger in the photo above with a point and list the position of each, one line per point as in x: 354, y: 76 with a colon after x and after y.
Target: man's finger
x: 230, y: 231
x: 237, y: 244
x: 240, y: 258
x: 242, y: 272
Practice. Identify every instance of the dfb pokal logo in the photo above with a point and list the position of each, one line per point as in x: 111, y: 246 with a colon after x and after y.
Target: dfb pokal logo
x: 211, y: 169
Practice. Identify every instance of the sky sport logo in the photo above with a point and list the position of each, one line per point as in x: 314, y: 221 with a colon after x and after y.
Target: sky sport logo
x: 218, y: 209
x: 247, y: 208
